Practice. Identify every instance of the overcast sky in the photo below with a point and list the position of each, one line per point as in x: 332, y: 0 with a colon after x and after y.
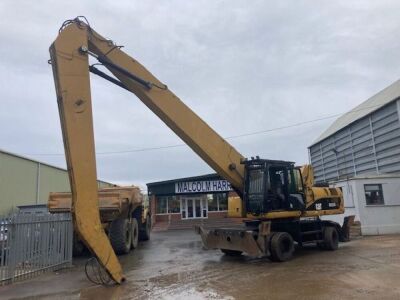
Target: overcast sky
x: 243, y: 66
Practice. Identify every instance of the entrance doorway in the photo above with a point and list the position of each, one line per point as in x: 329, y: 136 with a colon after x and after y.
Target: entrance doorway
x: 194, y: 208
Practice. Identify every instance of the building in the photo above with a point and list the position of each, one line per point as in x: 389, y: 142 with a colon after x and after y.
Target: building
x: 360, y: 152
x: 24, y: 181
x: 192, y: 198
x: 374, y: 200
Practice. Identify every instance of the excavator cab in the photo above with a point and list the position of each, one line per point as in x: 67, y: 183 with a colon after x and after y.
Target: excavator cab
x: 272, y: 185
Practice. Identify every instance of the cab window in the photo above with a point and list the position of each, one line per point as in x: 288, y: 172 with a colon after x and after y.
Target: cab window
x: 297, y: 181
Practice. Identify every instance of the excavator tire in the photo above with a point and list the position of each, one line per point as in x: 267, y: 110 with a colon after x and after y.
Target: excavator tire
x: 144, y: 233
x: 282, y: 246
x: 331, y: 239
x: 135, y: 233
x: 231, y: 252
x: 120, y: 236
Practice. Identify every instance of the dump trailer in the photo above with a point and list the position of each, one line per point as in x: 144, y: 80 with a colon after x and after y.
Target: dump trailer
x: 124, y: 215
x: 279, y: 206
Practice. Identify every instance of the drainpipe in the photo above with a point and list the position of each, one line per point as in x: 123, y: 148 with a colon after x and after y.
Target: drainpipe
x: 38, y: 183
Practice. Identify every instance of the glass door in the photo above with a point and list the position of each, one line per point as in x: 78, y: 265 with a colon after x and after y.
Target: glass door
x: 194, y: 207
x: 204, y: 207
x: 190, y: 208
x: 197, y: 208
x: 183, y: 208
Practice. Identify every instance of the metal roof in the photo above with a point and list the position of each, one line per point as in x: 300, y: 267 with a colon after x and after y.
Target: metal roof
x: 42, y: 163
x: 31, y: 159
x: 389, y: 94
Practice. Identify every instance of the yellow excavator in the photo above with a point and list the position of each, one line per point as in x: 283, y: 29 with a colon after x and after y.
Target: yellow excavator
x: 280, y: 203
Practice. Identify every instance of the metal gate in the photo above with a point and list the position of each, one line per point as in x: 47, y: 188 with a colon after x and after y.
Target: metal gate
x: 33, y: 243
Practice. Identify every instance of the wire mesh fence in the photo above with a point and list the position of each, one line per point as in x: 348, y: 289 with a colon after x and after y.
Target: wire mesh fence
x: 33, y: 243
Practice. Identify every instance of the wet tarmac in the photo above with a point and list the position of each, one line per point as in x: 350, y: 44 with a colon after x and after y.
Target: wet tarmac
x: 173, y: 265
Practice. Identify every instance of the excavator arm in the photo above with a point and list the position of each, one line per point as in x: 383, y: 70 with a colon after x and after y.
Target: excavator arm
x: 70, y: 61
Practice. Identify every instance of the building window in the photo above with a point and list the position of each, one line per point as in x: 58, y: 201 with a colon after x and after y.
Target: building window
x: 222, y: 201
x: 162, y: 204
x: 170, y: 204
x: 212, y: 202
x: 373, y: 194
x: 217, y: 202
x: 174, y: 204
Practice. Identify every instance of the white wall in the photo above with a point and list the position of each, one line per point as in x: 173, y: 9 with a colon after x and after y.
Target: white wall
x: 380, y: 219
x: 375, y: 219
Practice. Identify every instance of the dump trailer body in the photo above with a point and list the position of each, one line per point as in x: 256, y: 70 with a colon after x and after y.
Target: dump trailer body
x: 113, y: 202
x: 117, y: 205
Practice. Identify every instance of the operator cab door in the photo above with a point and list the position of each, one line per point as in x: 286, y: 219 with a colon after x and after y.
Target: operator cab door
x: 255, y: 190
x: 277, y: 193
x: 297, y: 198
x: 285, y: 189
x: 273, y: 187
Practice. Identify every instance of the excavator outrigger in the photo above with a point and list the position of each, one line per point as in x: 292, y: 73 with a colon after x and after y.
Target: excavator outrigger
x: 274, y: 194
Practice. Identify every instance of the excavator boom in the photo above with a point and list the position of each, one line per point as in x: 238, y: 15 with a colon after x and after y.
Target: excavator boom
x: 70, y: 61
x: 280, y: 202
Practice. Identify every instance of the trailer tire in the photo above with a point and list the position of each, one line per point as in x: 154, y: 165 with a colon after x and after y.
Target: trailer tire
x: 120, y: 236
x: 331, y: 238
x: 228, y: 252
x: 144, y: 233
x: 282, y: 246
x: 321, y: 245
x: 134, y: 233
x: 78, y: 248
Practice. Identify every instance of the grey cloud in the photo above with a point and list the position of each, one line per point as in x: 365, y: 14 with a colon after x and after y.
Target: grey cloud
x: 242, y: 66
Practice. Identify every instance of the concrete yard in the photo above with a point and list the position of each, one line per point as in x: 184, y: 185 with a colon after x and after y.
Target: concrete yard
x: 173, y: 265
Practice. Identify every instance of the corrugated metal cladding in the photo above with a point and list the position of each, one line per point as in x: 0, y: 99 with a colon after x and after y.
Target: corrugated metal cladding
x: 370, y: 145
x: 24, y: 181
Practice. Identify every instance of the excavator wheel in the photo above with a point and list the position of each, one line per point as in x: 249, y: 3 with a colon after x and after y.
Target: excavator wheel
x: 144, y: 233
x: 120, y: 236
x: 135, y: 233
x: 331, y: 239
x: 231, y: 252
x: 282, y: 246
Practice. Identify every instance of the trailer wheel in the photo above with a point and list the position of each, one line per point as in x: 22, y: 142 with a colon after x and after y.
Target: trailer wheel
x: 135, y: 233
x: 231, y: 252
x: 282, y: 246
x: 144, y: 233
x: 78, y: 248
x: 331, y: 239
x: 120, y: 236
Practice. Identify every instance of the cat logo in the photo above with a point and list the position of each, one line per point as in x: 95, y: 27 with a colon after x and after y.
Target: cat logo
x: 318, y: 206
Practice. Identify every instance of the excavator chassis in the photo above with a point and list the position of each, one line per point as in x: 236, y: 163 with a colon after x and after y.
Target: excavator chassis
x: 234, y: 239
x: 255, y: 238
